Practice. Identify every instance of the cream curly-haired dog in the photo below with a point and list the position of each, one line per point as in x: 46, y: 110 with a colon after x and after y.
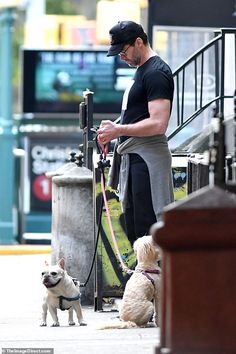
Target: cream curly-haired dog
x: 141, y: 296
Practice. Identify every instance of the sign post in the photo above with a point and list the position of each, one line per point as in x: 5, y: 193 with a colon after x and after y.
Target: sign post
x: 6, y: 125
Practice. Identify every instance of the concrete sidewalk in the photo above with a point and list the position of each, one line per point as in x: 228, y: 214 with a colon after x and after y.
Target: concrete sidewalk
x: 20, y: 312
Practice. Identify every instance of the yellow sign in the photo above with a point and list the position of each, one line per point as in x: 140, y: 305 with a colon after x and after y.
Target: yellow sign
x: 68, y: 30
x: 10, y: 3
x: 118, y: 10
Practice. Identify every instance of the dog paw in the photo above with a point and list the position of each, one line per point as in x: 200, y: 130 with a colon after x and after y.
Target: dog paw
x: 83, y: 324
x: 43, y: 324
x: 71, y: 323
x: 55, y: 324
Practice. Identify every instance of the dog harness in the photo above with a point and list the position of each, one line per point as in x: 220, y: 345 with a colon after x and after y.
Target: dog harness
x: 61, y: 298
x: 151, y: 271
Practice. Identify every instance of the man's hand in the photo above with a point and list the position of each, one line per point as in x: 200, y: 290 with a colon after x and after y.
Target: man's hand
x: 107, y: 131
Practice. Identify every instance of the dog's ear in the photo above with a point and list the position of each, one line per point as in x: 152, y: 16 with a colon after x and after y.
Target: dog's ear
x: 61, y: 263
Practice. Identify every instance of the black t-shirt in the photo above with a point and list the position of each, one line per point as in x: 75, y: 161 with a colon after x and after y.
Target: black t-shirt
x: 152, y: 80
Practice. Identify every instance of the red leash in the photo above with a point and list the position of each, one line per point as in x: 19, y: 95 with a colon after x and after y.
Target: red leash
x: 104, y: 149
x: 123, y: 265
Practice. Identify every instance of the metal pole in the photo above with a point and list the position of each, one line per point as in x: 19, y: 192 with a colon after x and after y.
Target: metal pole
x: 88, y: 158
x: 234, y: 152
x: 6, y: 125
x: 222, y: 84
x: 150, y: 21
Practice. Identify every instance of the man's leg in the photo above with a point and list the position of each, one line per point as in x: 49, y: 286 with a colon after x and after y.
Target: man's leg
x: 140, y: 215
x: 129, y: 220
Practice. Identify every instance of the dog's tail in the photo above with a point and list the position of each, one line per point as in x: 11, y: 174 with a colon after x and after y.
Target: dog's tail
x: 118, y: 325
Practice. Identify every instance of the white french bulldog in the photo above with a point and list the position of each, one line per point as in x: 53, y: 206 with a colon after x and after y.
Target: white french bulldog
x: 63, y: 292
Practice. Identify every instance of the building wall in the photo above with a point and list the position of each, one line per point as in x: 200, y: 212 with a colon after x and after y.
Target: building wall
x: 194, y: 13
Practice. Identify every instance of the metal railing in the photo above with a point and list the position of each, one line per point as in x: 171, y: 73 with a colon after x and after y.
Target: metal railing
x: 192, y: 78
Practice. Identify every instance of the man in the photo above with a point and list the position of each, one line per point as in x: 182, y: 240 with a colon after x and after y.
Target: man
x: 145, y: 181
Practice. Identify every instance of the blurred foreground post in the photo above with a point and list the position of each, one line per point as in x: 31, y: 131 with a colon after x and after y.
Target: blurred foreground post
x: 6, y: 125
x: 198, y: 304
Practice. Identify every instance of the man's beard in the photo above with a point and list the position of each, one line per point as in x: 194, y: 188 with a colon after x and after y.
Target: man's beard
x: 135, y: 62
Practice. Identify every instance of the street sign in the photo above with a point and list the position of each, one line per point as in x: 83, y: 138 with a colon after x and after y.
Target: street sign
x: 46, y: 153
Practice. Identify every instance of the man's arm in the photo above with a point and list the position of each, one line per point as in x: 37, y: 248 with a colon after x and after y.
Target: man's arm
x: 157, y: 123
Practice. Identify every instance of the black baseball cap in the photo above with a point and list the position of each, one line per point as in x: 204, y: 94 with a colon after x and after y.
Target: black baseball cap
x: 123, y: 32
